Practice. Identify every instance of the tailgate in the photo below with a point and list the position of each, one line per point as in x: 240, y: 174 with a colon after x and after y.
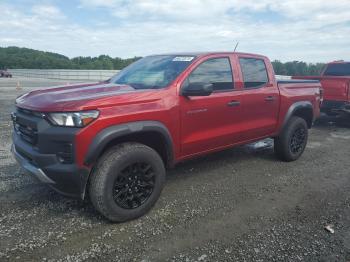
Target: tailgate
x: 335, y: 89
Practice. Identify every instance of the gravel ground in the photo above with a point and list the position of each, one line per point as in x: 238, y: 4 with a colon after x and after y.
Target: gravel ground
x: 237, y: 205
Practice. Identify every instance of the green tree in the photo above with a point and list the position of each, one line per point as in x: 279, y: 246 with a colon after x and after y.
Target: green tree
x: 15, y: 57
x: 297, y: 68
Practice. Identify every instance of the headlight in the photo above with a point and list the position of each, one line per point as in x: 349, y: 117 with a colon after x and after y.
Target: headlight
x: 72, y: 119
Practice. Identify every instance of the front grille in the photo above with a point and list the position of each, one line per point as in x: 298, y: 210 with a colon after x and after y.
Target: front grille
x: 25, y: 125
x: 27, y: 133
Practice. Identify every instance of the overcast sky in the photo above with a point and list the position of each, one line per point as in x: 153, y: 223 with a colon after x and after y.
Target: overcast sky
x: 308, y: 30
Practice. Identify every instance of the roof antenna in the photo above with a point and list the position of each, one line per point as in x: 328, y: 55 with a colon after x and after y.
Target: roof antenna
x: 236, y: 46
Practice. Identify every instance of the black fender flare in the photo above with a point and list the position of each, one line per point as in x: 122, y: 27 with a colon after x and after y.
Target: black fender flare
x: 110, y: 133
x: 297, y: 106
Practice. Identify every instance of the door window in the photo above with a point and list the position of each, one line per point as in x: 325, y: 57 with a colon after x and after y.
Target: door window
x: 254, y: 72
x: 215, y: 71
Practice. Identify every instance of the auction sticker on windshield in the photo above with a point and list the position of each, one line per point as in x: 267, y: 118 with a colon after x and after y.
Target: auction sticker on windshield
x: 183, y: 58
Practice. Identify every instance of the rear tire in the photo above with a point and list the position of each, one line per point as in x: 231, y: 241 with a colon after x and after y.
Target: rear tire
x: 291, y: 142
x: 127, y: 181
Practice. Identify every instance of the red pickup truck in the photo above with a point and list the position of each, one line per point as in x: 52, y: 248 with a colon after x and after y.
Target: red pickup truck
x: 115, y: 139
x: 335, y: 81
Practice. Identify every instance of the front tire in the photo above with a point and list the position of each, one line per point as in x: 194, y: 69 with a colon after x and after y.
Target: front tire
x: 291, y: 142
x: 127, y: 181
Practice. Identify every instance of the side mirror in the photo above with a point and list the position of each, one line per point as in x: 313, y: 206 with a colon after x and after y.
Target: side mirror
x: 197, y: 89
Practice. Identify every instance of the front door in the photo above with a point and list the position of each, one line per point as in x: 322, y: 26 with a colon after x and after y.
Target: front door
x: 210, y: 122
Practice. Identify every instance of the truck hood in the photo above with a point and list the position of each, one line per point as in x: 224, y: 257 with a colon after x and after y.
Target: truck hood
x: 80, y: 97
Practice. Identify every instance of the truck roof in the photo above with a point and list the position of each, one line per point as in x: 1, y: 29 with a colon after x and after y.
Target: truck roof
x: 211, y: 53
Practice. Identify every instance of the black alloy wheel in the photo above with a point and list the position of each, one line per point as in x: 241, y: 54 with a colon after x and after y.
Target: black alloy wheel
x: 297, y: 141
x: 291, y: 142
x: 134, y: 185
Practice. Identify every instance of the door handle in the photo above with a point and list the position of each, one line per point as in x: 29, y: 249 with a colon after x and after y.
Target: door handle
x: 233, y: 103
x: 270, y: 98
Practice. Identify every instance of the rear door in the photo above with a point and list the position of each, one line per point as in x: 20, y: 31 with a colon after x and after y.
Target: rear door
x: 211, y: 122
x: 260, y: 105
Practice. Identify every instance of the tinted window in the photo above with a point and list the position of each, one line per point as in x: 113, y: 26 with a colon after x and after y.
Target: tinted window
x: 215, y: 71
x: 153, y: 71
x: 254, y: 72
x: 338, y: 70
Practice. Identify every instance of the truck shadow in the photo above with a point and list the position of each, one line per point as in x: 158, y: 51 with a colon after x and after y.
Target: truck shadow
x: 332, y: 121
x: 229, y: 158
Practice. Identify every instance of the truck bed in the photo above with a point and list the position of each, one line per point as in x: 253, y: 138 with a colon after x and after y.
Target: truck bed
x: 320, y: 77
x: 298, y: 84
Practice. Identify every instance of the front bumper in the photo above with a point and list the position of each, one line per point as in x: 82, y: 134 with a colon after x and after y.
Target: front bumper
x: 48, y: 153
x: 67, y: 179
x: 33, y: 170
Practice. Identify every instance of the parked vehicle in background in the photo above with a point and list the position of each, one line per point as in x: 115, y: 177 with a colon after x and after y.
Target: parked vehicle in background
x: 335, y: 81
x: 5, y: 73
x: 115, y: 139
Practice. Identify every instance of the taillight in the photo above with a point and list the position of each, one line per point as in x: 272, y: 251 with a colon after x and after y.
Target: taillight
x: 321, y: 95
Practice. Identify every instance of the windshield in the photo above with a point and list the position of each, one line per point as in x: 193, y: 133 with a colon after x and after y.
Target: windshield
x: 153, y: 71
x: 342, y: 69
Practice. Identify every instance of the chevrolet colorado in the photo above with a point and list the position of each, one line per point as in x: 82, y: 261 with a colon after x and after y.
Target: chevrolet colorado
x: 335, y: 81
x: 115, y: 139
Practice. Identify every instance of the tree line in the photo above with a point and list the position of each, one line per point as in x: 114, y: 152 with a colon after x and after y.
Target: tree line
x: 25, y: 58
x: 297, y: 68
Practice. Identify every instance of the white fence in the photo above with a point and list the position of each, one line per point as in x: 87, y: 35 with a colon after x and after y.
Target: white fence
x: 64, y: 74
x: 280, y: 77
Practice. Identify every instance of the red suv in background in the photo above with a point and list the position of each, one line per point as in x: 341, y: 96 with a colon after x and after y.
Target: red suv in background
x: 335, y: 81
